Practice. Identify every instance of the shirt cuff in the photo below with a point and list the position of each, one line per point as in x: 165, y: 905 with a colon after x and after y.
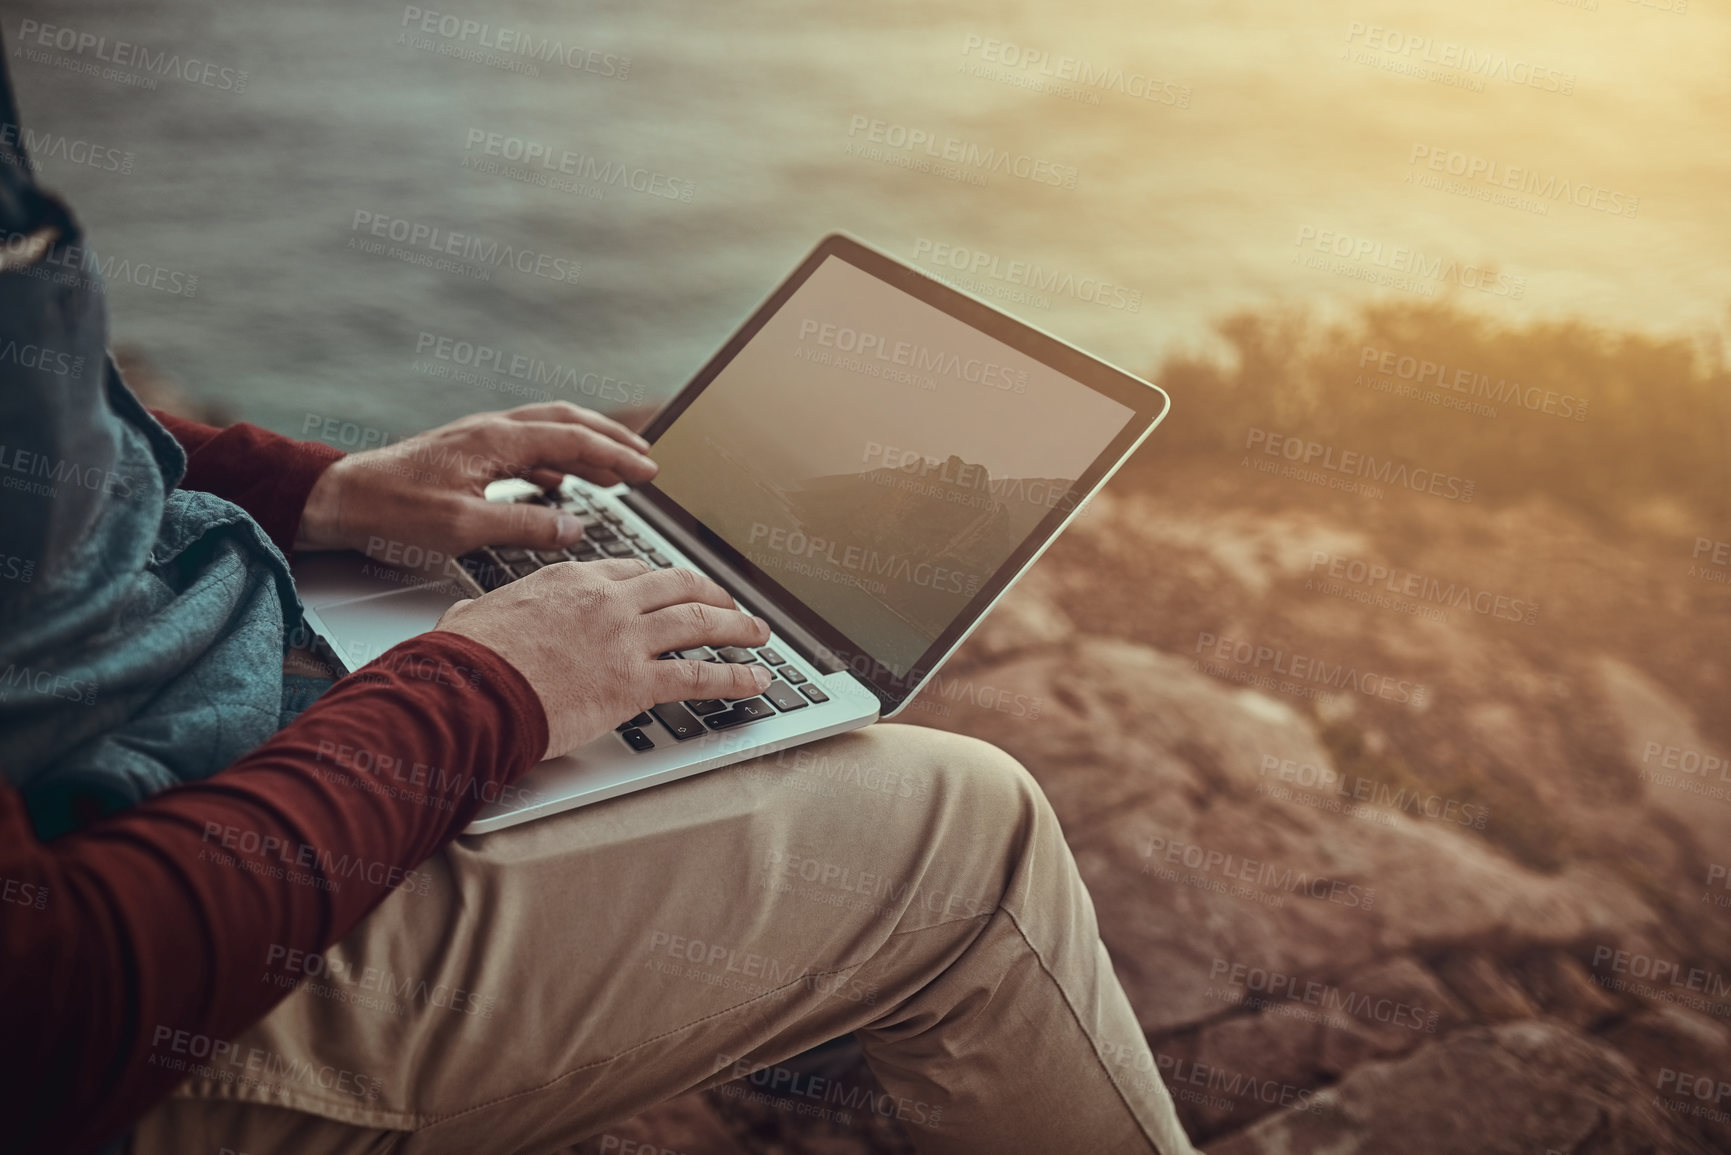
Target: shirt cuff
x: 264, y: 473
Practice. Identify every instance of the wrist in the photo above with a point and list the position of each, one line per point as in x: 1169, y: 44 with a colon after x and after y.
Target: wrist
x: 321, y: 525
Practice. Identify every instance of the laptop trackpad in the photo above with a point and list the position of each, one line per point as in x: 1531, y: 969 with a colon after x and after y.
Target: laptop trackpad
x: 364, y: 629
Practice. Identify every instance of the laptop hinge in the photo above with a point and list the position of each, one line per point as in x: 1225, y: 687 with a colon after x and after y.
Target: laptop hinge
x: 736, y: 583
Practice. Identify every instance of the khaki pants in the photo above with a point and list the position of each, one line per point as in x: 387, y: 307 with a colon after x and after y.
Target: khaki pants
x: 552, y: 979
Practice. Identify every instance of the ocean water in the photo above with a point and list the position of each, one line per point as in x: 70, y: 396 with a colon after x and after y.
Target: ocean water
x: 1121, y: 174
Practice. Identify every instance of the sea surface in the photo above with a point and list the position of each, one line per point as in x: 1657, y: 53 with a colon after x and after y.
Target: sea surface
x: 1121, y: 174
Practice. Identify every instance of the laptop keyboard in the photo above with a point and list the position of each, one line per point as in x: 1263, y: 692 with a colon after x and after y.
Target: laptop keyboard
x: 606, y: 534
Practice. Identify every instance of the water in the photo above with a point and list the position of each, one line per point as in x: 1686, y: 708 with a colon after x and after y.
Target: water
x: 1266, y: 130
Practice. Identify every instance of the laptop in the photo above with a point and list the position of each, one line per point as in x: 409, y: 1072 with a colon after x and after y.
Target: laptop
x: 868, y: 464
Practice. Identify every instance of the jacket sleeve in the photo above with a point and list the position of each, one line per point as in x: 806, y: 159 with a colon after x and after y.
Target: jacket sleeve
x: 142, y: 939
x: 264, y: 473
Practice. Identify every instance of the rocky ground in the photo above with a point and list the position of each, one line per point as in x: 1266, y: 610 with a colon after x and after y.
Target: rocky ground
x: 1475, y: 900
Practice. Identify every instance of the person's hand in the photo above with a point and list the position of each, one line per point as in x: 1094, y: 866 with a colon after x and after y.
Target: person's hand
x: 427, y: 490
x: 586, y: 634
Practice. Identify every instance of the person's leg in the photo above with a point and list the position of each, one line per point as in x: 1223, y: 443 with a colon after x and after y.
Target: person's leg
x: 910, y: 885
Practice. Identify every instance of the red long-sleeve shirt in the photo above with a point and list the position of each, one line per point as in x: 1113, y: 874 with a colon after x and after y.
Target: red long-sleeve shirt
x: 122, y: 941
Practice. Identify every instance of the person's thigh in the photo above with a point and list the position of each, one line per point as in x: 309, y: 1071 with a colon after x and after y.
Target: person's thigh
x: 569, y: 972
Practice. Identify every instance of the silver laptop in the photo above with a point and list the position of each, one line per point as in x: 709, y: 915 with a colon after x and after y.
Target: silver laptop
x: 868, y: 463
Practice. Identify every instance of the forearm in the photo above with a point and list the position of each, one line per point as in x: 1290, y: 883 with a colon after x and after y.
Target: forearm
x: 265, y: 473
x: 162, y: 920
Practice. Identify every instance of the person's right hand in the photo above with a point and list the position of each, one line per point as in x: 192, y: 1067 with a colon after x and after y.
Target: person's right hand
x: 585, y: 634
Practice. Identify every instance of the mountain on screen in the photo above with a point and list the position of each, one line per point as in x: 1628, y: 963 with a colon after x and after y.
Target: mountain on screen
x: 957, y: 517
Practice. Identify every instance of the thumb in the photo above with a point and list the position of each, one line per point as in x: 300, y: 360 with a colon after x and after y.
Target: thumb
x: 520, y: 524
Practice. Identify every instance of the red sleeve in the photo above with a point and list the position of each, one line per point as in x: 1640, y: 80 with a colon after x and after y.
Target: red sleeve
x: 125, y: 943
x: 264, y: 473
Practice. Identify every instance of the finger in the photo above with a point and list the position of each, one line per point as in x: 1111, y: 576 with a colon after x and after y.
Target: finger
x: 576, y: 449
x: 549, y: 480
x: 685, y: 627
x: 661, y: 588
x: 553, y: 481
x: 680, y: 680
x: 576, y: 414
x: 617, y: 568
x: 481, y: 522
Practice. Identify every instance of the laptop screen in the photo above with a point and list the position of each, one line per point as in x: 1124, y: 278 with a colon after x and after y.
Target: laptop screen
x: 881, y: 459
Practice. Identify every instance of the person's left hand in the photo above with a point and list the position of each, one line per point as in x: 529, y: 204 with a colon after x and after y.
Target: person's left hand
x: 427, y: 490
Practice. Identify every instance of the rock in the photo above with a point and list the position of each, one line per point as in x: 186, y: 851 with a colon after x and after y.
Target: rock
x: 1684, y: 1062
x: 1564, y: 989
x: 1520, y: 1088
x: 1481, y: 984
x: 1186, y: 803
x: 1686, y: 776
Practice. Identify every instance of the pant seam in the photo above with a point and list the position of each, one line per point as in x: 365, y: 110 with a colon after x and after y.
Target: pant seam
x: 1093, y: 1044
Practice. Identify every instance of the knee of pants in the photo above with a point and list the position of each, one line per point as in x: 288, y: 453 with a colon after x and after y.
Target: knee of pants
x: 982, y: 813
